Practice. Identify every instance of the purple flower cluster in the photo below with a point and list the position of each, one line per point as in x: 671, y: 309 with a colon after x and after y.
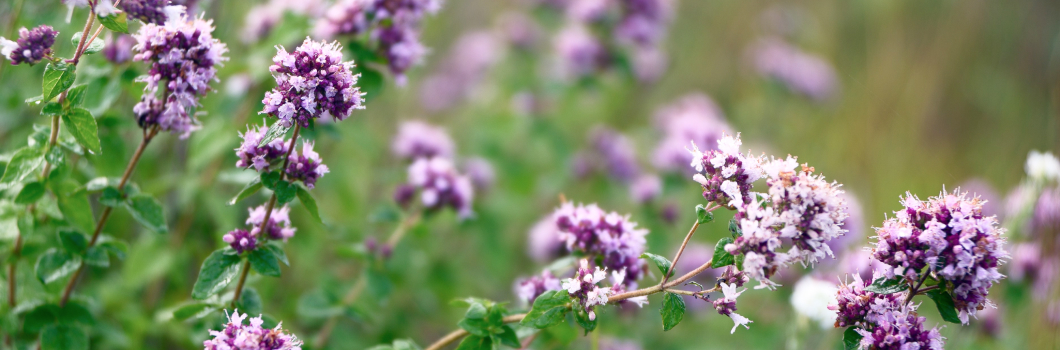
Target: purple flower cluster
x: 32, y: 45
x: 393, y: 24
x: 438, y: 184
x: 119, y: 50
x: 883, y: 320
x: 480, y: 171
x: 694, y: 117
x: 466, y: 64
x: 811, y: 209
x: 950, y: 236
x: 261, y: 19
x: 312, y: 82
x: 612, y: 153
x: 801, y: 72
x: 259, y: 157
x: 585, y: 291
x: 279, y: 227
x: 725, y: 174
x: 418, y: 139
x: 1046, y: 217
x: 530, y: 288
x: 147, y: 11
x: 1030, y: 267
x: 545, y: 241
x: 182, y: 56
x: 611, y: 239
x: 239, y: 336
x: 645, y: 188
x: 305, y: 166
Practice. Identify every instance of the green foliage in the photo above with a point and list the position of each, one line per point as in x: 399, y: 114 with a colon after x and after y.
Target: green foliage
x: 30, y: 193
x: 277, y: 130
x: 248, y: 190
x: 399, y: 344
x: 80, y: 123
x: 118, y: 22
x: 661, y: 262
x: 734, y: 228
x: 722, y: 257
x: 58, y: 76
x: 194, y: 310
x: 673, y: 310
x: 944, y: 302
x: 63, y: 337
x: 308, y: 202
x: 264, y: 262
x: 148, y: 211
x: 702, y: 215
x: 55, y: 264
x: 96, y: 45
x: 883, y: 285
x: 851, y: 338
x: 216, y: 273
x: 549, y: 309
x: 23, y: 163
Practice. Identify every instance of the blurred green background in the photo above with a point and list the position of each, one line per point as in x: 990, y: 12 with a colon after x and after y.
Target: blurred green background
x: 932, y: 94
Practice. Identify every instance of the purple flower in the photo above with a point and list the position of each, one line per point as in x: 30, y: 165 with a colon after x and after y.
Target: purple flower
x: 950, y: 236
x: 346, y: 17
x: 1028, y: 265
x: 239, y: 336
x: 987, y: 194
x: 466, y: 64
x: 618, y: 153
x: 725, y: 174
x: 279, y: 226
x: 853, y: 225
x: 417, y: 139
x: 481, y: 173
x: 857, y: 307
x: 519, y: 30
x: 439, y: 185
x: 693, y: 117
x: 312, y: 82
x: 32, y: 45
x: 612, y: 238
x: 147, y: 11
x: 119, y: 50
x: 545, y: 241
x: 579, y: 53
x: 530, y: 288
x: 645, y: 188
x: 695, y: 255
x: 810, y: 209
x: 1046, y: 219
x: 241, y: 240
x: 883, y: 320
x: 251, y: 155
x: 306, y: 166
x: 607, y: 343
x: 801, y: 72
x: 586, y: 293
x: 182, y: 58
x: 643, y: 22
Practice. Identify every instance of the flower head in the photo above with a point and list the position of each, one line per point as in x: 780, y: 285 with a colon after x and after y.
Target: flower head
x: 809, y: 208
x: 32, y: 45
x: 725, y: 174
x: 312, y: 82
x: 530, y: 288
x: 241, y: 240
x: 306, y: 166
x: 251, y: 155
x: 801, y: 72
x: 584, y: 289
x: 439, y: 185
x: 182, y: 58
x: 147, y: 11
x: 694, y: 117
x: 279, y: 226
x: 239, y: 336
x: 614, y: 238
x: 417, y: 139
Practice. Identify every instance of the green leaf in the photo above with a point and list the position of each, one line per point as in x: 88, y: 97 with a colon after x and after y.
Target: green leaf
x: 74, y: 205
x: 22, y: 164
x: 55, y: 156
x: 73, y: 242
x: 277, y: 130
x: 97, y: 256
x: 277, y: 252
x: 734, y: 228
x: 370, y: 82
x: 250, y: 301
x: 52, y: 108
x: 476, y: 326
x: 406, y: 344
x: 309, y: 203
x: 549, y: 309
x: 475, y: 310
x: 99, y: 184
x: 851, y: 338
x: 722, y: 258
x: 264, y: 262
x: 55, y: 264
x: 673, y: 310
x: 194, y: 311
x: 702, y: 215
x: 75, y: 97
x: 63, y: 337
x: 883, y: 285
x: 111, y: 197
x: 251, y: 188
x: 58, y: 76
x: 117, y: 22
x: 475, y: 342
x: 944, y: 302
x: 508, y: 337
x: 216, y: 273
x: 582, y: 318
x: 662, y: 263
x: 270, y: 179
x: 80, y: 123
x: 30, y: 193
x: 95, y: 46
x: 147, y: 211
x: 285, y: 192
x: 113, y: 246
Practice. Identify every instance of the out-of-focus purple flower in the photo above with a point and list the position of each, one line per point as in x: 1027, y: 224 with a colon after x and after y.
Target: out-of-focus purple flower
x: 519, y: 30
x: 251, y: 155
x: 480, y: 171
x: 344, y: 17
x: 527, y: 290
x: 987, y: 194
x: 417, y: 139
x: 617, y: 344
x: 579, y: 53
x: 1028, y: 265
x: 182, y: 58
x: 306, y: 166
x: 991, y: 321
x: 545, y: 242
x: 801, y: 72
x: 262, y: 18
x: 726, y: 305
x: 645, y: 188
x: 617, y: 153
x: 643, y: 22
x: 649, y: 64
x: 240, y: 240
x: 468, y: 61
x: 312, y: 82
x: 691, y: 118
x: 1052, y: 312
x: 32, y: 45
x: 239, y: 336
x: 950, y: 236
x: 854, y: 225
x: 119, y: 50
x: 1046, y: 219
x: 147, y: 11
x: 439, y: 185
x: 613, y: 238
x: 694, y: 256
x: 858, y: 262
x: 279, y: 226
x: 725, y: 174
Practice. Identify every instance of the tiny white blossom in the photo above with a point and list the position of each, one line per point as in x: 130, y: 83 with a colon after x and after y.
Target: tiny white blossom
x: 572, y: 285
x: 105, y: 8
x: 1043, y: 166
x: 732, y: 190
x: 730, y: 145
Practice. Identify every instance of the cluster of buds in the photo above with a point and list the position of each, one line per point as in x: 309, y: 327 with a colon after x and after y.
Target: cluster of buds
x: 312, y: 82
x: 32, y: 45
x: 726, y: 175
x: 528, y: 289
x: 279, y: 227
x: 439, y: 185
x: 584, y: 287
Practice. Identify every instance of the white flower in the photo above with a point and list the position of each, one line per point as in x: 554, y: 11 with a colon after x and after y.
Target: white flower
x: 732, y: 190
x: 640, y: 301
x: 730, y: 145
x: 812, y: 297
x: 775, y: 167
x: 597, y: 296
x: 1043, y: 166
x: 7, y: 47
x: 617, y: 277
x: 702, y: 180
x: 571, y: 285
x: 729, y: 290
x: 697, y: 158
x: 105, y: 8
x: 739, y: 321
